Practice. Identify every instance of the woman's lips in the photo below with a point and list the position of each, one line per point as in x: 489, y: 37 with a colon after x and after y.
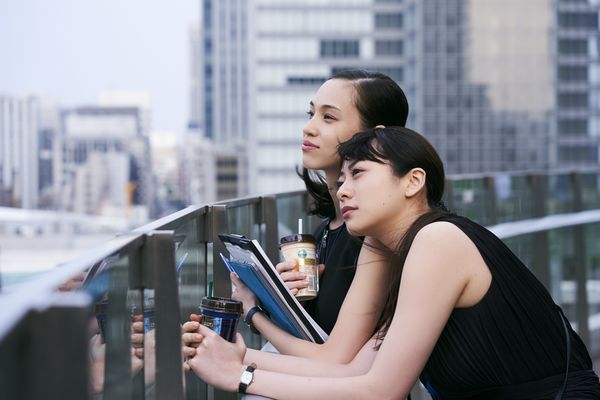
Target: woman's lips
x: 347, y: 210
x: 308, y: 146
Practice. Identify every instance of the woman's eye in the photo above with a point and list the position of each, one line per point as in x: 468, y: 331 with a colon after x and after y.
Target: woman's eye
x: 355, y: 171
x: 310, y: 114
x: 328, y: 116
x: 339, y: 184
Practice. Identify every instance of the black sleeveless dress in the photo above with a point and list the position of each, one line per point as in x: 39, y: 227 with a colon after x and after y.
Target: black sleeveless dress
x: 339, y: 252
x: 512, y: 344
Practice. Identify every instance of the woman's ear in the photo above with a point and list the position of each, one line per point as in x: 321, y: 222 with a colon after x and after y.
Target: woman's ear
x: 416, y: 181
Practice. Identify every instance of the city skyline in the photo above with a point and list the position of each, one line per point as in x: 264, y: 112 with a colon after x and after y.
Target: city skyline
x: 72, y: 51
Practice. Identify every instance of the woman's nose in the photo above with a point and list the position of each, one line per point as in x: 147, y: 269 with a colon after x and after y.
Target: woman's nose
x: 343, y: 192
x: 309, y: 128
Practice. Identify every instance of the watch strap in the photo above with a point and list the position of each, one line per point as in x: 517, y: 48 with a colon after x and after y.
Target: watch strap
x: 250, y: 314
x: 246, y: 378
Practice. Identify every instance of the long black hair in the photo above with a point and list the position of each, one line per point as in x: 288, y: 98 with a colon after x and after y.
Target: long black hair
x: 403, y: 149
x: 379, y: 101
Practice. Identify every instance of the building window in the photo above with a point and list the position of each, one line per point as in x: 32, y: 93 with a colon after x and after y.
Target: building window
x: 339, y: 48
x: 573, y: 73
x: 579, y: 20
x: 572, y: 127
x: 573, y: 100
x: 579, y: 154
x: 388, y: 21
x: 573, y: 46
x: 389, y: 47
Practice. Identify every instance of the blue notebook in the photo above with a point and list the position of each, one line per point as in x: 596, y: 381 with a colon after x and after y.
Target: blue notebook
x: 250, y: 262
x: 251, y: 279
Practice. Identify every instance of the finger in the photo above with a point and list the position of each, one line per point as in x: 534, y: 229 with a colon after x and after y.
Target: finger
x: 189, y: 351
x: 285, y: 266
x: 195, y: 317
x: 190, y: 326
x: 321, y: 268
x: 137, y: 339
x: 207, y: 333
x: 292, y: 276
x: 139, y: 352
x: 137, y: 327
x: 192, y: 339
x: 236, y: 280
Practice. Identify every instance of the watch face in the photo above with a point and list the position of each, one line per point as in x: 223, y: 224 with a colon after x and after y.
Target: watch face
x: 246, y: 377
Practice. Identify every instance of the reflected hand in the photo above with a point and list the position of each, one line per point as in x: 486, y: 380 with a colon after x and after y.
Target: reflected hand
x: 219, y: 362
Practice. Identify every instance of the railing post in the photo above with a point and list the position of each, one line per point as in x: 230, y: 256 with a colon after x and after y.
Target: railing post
x: 491, y: 205
x: 541, y: 260
x: 268, y: 216
x: 117, y: 369
x: 53, y: 350
x: 217, y: 223
x: 159, y: 262
x: 449, y: 189
x: 580, y: 253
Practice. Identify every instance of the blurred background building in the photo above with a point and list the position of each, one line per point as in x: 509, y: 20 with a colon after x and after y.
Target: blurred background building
x: 496, y: 85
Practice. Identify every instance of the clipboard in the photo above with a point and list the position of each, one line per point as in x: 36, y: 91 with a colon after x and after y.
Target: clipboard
x: 248, y: 259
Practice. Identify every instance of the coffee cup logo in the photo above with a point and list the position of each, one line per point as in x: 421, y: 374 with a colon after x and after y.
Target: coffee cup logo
x: 302, y: 253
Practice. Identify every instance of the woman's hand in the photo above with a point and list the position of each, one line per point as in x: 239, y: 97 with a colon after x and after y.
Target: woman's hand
x: 219, y: 362
x: 242, y: 293
x: 190, y: 337
x: 293, y: 279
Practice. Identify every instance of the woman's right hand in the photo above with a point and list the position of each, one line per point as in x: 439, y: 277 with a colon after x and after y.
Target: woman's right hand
x: 293, y: 279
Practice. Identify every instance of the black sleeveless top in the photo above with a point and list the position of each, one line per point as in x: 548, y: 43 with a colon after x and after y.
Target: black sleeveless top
x: 338, y: 250
x: 510, y: 345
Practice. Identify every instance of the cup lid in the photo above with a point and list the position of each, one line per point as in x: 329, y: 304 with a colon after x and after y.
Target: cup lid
x: 297, y: 237
x: 222, y: 304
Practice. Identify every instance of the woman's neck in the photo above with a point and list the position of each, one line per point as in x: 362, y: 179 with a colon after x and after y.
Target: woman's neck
x: 391, y: 234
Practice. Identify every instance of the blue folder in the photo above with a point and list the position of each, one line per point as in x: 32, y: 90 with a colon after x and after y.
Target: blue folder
x: 269, y: 302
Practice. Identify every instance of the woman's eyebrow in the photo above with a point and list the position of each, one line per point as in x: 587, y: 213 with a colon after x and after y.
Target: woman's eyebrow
x: 325, y: 106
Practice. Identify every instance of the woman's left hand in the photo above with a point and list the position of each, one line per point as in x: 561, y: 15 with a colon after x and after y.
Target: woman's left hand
x: 219, y: 362
x: 242, y: 293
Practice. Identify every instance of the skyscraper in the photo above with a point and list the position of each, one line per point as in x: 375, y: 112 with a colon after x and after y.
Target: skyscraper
x: 496, y: 85
x: 28, y: 126
x: 105, y: 162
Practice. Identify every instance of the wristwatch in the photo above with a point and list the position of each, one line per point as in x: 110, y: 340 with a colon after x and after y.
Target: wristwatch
x: 250, y: 314
x: 246, y: 378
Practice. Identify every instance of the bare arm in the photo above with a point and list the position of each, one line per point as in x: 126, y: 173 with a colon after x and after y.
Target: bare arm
x: 356, y: 320
x: 441, y: 262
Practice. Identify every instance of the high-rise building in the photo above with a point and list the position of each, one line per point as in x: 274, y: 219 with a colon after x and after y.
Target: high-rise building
x: 105, y: 163
x: 577, y: 91
x: 495, y: 85
x: 27, y: 129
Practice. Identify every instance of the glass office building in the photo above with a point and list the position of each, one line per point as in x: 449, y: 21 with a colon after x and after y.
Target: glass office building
x: 496, y: 85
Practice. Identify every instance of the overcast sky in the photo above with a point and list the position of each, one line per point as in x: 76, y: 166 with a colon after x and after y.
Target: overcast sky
x: 73, y: 49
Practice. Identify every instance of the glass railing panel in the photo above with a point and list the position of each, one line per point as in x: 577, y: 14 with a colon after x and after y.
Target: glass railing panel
x: 117, y: 340
x: 560, y: 196
x: 590, y: 190
x: 289, y: 210
x: 469, y: 199
x: 513, y: 197
x: 242, y: 219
